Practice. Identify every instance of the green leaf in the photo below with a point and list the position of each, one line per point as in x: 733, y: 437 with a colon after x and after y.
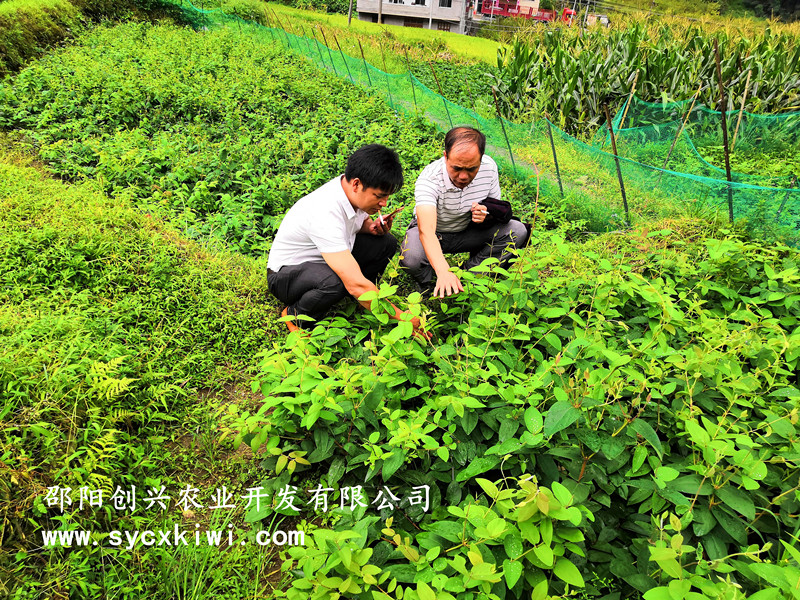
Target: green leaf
x: 404, y: 573
x: 731, y: 523
x: 508, y: 447
x: 496, y: 528
x: 485, y: 572
x: 469, y: 420
x: 770, y: 573
x: 478, y: 466
x: 283, y: 460
x: 391, y: 464
x: 691, y: 484
x: 374, y: 397
x: 512, y: 571
x: 702, y: 521
x: 553, y: 340
x: 792, y: 550
x: 533, y: 420
x: 425, y: 592
x: 737, y: 500
x: 639, y: 456
x: 671, y: 567
x: 568, y: 573
x: 488, y: 487
x: 513, y: 543
x: 449, y: 530
x: 658, y: 593
x: 561, y: 493
x: 484, y: 389
x: 716, y: 546
x: 680, y: 590
x: 323, y: 446
x: 560, y: 416
x: 553, y: 312
x: 666, y: 553
x: 508, y: 427
x: 786, y: 392
x: 615, y: 359
x: 336, y: 470
x: 696, y: 433
x: 612, y: 447
x: 544, y: 553
x: 666, y: 474
x: 540, y: 590
x: 644, y: 429
x: 772, y: 593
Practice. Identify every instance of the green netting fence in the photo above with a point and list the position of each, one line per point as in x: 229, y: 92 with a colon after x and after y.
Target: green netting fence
x: 682, y: 136
x: 586, y: 177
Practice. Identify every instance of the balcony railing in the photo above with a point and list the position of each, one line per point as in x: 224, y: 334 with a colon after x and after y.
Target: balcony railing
x: 511, y: 8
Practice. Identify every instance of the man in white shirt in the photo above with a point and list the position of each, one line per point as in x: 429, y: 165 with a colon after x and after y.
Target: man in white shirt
x: 327, y: 246
x: 450, y: 217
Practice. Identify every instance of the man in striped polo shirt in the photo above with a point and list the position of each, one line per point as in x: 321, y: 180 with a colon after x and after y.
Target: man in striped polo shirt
x: 450, y: 217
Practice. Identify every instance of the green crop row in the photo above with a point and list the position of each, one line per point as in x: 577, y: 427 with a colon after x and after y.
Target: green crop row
x: 614, y: 419
x: 571, y: 76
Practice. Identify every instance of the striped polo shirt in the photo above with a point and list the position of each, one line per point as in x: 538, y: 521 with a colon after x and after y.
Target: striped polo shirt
x: 453, y: 205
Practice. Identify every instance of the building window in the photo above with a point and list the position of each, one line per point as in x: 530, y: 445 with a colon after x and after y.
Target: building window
x: 396, y: 2
x: 412, y: 23
x: 443, y: 26
x: 445, y: 3
x: 418, y: 2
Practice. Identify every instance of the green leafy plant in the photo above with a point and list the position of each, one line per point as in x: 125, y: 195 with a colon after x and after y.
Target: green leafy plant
x: 629, y: 391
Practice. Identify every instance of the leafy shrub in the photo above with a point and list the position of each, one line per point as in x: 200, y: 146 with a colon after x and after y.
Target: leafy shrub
x: 627, y: 412
x: 461, y: 83
x: 247, y: 130
x: 327, y: 6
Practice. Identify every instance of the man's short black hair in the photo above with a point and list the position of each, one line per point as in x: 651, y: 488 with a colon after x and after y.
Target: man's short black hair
x: 458, y: 136
x: 376, y: 166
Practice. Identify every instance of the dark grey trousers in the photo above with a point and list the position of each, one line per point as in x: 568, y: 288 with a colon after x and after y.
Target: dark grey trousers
x: 480, y: 243
x: 311, y: 288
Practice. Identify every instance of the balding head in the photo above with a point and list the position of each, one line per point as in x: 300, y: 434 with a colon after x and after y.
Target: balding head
x: 464, y: 136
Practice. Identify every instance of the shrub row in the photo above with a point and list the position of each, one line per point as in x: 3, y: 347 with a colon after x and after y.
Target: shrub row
x: 621, y: 416
x: 221, y: 128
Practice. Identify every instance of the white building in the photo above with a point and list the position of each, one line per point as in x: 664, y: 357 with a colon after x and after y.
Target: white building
x: 448, y: 15
x: 443, y: 15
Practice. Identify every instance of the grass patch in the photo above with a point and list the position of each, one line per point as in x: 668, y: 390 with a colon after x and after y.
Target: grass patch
x: 120, y: 341
x: 419, y: 43
x: 29, y: 27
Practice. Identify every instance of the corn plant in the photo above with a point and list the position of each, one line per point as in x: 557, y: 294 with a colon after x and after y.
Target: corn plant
x: 571, y: 76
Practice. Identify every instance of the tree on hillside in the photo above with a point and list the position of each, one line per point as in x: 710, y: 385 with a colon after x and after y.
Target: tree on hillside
x: 786, y: 9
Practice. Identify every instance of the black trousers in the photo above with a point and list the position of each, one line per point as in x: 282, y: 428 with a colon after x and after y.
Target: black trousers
x: 311, y: 288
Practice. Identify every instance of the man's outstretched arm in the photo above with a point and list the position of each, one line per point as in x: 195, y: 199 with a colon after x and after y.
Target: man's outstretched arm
x: 346, y: 267
x: 447, y: 283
